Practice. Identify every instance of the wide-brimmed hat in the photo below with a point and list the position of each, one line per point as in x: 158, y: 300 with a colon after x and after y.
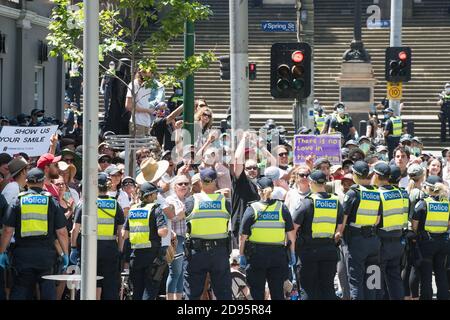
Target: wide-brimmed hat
x: 152, y: 170
x: 63, y: 166
x: 16, y: 165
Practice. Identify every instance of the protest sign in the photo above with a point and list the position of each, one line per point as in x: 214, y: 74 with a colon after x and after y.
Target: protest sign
x: 320, y: 146
x: 34, y: 141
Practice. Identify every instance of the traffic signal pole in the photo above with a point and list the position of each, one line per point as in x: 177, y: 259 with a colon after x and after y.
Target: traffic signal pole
x: 188, y: 88
x: 300, y: 116
x: 239, y: 65
x: 396, y: 39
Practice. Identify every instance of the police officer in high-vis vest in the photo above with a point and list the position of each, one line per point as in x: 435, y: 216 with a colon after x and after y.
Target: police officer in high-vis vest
x: 430, y: 222
x: 393, y: 129
x: 145, y: 226
x: 390, y: 231
x: 318, y: 224
x: 319, y: 118
x: 262, y: 243
x: 207, y: 241
x: 444, y: 114
x: 36, y: 221
x: 110, y: 220
x: 362, y: 210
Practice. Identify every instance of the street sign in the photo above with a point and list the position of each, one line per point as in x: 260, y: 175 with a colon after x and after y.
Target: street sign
x: 394, y: 90
x: 379, y: 24
x: 278, y: 26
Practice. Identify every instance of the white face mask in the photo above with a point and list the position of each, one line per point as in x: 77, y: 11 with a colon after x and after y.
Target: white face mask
x: 191, y: 173
x: 447, y: 90
x: 340, y: 110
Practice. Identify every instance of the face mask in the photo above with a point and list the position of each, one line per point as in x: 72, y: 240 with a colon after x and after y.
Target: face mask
x: 447, y: 90
x: 179, y: 92
x: 383, y: 156
x: 290, y: 155
x: 316, y: 107
x: 340, y: 110
x: 407, y: 148
x: 227, y: 159
x: 191, y: 173
x: 416, y: 151
x: 386, y: 116
x: 39, y: 119
x: 365, y: 147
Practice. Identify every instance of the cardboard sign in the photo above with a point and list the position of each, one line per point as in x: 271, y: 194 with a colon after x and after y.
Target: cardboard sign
x: 34, y: 141
x: 320, y: 146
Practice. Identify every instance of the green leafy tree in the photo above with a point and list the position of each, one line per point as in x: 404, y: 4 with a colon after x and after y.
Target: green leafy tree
x: 120, y: 24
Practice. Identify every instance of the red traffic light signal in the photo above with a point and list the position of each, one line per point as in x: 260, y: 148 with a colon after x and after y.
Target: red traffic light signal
x: 403, y: 56
x: 297, y: 56
x: 398, y: 64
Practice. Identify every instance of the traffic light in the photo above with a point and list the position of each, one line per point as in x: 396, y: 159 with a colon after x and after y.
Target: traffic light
x: 224, y: 67
x: 252, y: 71
x: 398, y: 64
x: 290, y: 70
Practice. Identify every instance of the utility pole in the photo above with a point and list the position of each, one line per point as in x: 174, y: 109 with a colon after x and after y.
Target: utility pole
x: 90, y: 152
x: 188, y: 90
x: 239, y: 65
x: 299, y: 112
x: 396, y: 39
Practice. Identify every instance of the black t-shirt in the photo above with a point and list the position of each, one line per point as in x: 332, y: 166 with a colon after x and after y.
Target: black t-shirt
x: 3, y: 207
x: 56, y: 220
x: 156, y: 221
x: 420, y: 213
x: 352, y: 200
x: 163, y: 133
x: 304, y: 215
x: 249, y: 219
x: 343, y: 128
x: 244, y: 192
x: 119, y: 219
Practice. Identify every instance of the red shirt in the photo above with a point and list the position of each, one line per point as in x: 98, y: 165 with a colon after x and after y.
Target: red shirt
x: 52, y: 189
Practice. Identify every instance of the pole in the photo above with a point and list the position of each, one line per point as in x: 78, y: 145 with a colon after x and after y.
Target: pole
x: 299, y: 112
x: 90, y: 153
x: 189, y: 89
x: 396, y: 39
x: 239, y: 65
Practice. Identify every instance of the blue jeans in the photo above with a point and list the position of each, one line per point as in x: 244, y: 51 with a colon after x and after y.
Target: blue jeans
x: 175, y: 279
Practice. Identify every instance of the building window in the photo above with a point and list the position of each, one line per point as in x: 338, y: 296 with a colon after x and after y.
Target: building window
x: 39, y: 87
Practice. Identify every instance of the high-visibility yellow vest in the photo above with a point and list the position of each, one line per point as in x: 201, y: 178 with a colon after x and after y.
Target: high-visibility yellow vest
x: 437, y: 216
x: 33, y: 215
x: 396, y: 126
x: 369, y: 204
x: 393, y: 210
x: 405, y: 196
x: 106, y: 213
x: 269, y: 226
x: 340, y: 120
x: 74, y: 74
x: 209, y: 218
x: 320, y: 121
x: 138, y: 221
x: 325, y: 215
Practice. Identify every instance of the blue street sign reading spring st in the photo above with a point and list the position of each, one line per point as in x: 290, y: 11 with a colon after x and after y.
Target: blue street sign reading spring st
x: 278, y: 26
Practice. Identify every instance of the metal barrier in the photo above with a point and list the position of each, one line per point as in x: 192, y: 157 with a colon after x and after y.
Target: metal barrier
x: 130, y: 144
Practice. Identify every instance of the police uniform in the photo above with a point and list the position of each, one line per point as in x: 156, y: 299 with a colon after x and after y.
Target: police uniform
x: 318, y: 216
x: 143, y: 222
x: 390, y: 231
x: 362, y: 205
x: 433, y: 217
x: 207, y: 243
x: 35, y: 218
x: 342, y: 125
x: 394, y: 126
x: 266, y: 223
x: 110, y: 217
x: 319, y: 121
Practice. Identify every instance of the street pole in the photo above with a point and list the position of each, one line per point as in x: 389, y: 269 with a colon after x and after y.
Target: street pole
x: 299, y: 112
x: 90, y: 153
x: 188, y: 90
x: 239, y: 65
x: 396, y: 39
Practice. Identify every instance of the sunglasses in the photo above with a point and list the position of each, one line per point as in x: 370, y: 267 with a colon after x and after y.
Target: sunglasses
x: 183, y: 184
x: 104, y: 161
x: 251, y: 168
x: 283, y: 154
x: 303, y: 175
x: 68, y: 160
x: 207, y: 115
x: 60, y: 184
x: 126, y: 184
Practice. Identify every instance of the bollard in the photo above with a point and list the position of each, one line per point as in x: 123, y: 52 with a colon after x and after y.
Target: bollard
x: 362, y: 128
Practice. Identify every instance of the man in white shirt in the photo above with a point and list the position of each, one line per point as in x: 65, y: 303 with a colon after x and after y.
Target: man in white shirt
x: 18, y: 169
x: 149, y: 93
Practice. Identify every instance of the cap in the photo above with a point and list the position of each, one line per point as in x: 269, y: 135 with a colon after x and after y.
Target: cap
x: 35, y: 175
x: 388, y: 110
x: 103, y: 144
x: 347, y: 176
x: 148, y: 188
x: 383, y: 169
x: 47, y: 159
x: 347, y: 162
x: 432, y: 180
x: 112, y: 170
x: 112, y: 63
x: 161, y: 105
x: 195, y: 178
x: 128, y: 179
x: 264, y: 182
x: 361, y: 168
x: 318, y: 176
x: 208, y: 175
x: 321, y: 161
x: 166, y: 155
x: 335, y: 168
x: 406, y: 137
x: 74, y: 104
x: 447, y: 85
x: 274, y: 173
x: 67, y: 100
x: 104, y: 156
x: 396, y: 174
x: 351, y: 142
x: 36, y: 111
x: 16, y: 165
x: 382, y: 148
x: 339, y: 105
x: 4, y: 158
x: 102, y: 179
x: 363, y: 138
x: 415, y: 170
x: 303, y: 130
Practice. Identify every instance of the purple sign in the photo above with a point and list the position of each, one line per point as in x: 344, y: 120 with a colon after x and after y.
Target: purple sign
x: 321, y: 146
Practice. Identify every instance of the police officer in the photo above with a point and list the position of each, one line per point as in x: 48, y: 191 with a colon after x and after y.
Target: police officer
x: 362, y: 210
x: 444, y: 114
x: 207, y: 242
x: 176, y: 99
x: 342, y: 123
x: 430, y: 222
x: 106, y: 85
x: 319, y: 118
x: 145, y: 226
x: 36, y: 220
x: 262, y: 240
x: 390, y: 232
x: 393, y: 128
x: 319, y: 218
x: 109, y: 239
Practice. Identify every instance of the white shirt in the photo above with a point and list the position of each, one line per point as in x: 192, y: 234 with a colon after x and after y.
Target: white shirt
x: 123, y: 200
x: 278, y: 193
x: 11, y: 192
x: 403, y: 182
x: 293, y: 199
x: 75, y: 196
x: 142, y: 95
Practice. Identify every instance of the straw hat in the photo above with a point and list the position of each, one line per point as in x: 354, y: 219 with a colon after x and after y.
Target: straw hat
x: 63, y: 166
x: 152, y: 170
